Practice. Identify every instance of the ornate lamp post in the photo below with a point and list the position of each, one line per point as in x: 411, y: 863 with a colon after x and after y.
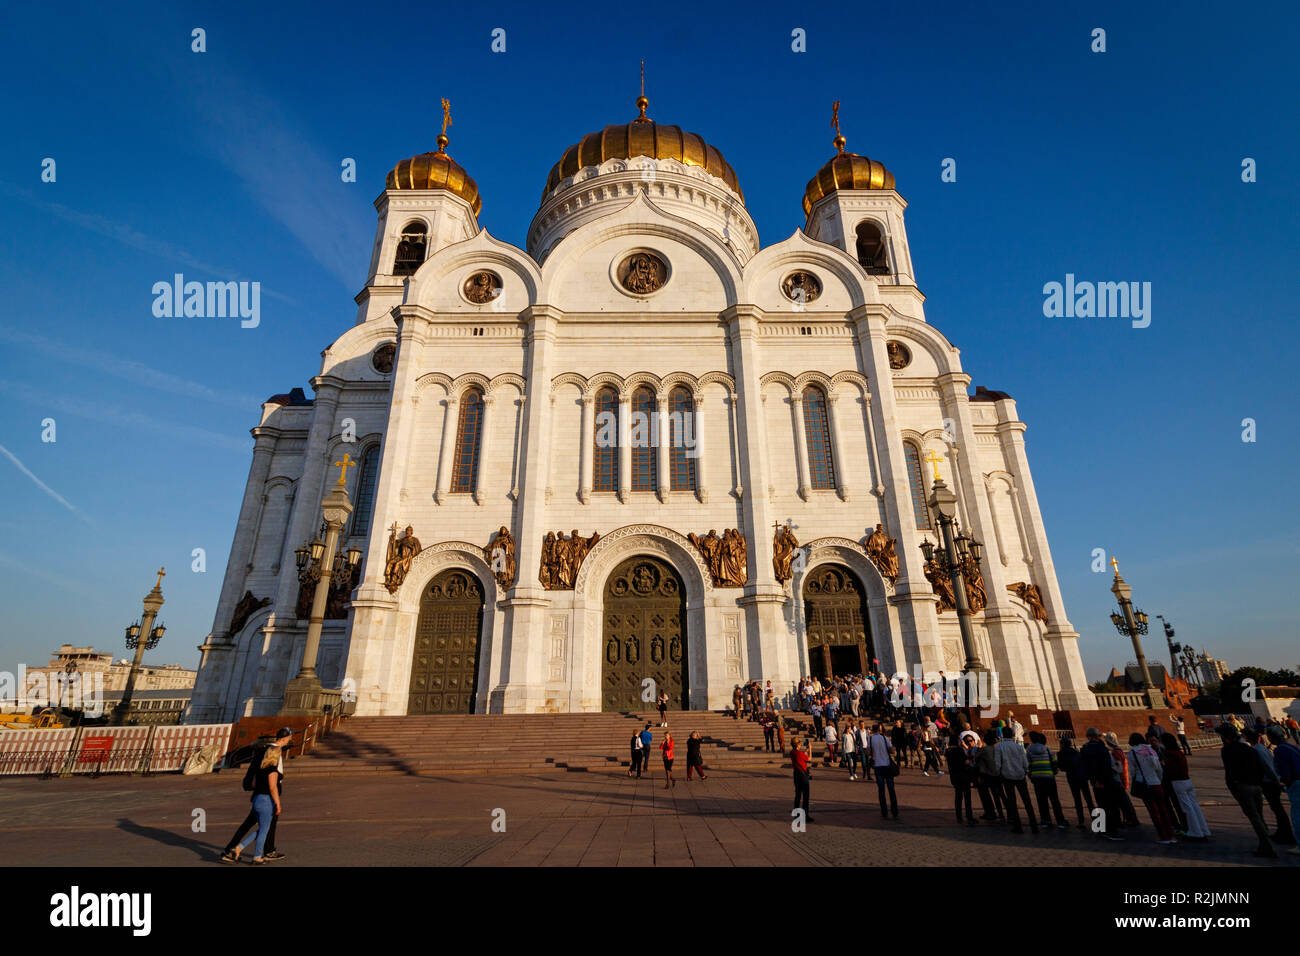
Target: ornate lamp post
x: 957, y: 549
x: 142, y: 636
x: 1133, y: 623
x: 1173, y: 648
x: 302, y: 695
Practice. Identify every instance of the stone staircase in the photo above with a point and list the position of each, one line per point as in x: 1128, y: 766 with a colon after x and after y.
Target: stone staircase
x: 527, y: 743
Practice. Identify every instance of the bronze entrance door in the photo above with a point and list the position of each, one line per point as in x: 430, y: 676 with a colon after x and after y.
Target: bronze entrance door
x: 644, y: 636
x: 835, y: 617
x: 444, y: 668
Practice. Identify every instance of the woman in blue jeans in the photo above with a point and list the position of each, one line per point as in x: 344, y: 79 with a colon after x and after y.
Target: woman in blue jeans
x: 266, y: 799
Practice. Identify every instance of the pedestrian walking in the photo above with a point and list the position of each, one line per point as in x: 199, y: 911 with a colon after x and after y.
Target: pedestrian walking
x: 863, y: 735
x: 1013, y: 766
x: 1243, y: 772
x: 667, y: 748
x: 1042, y: 774
x: 960, y: 772
x: 886, y: 768
x: 263, y: 779
x: 1128, y: 816
x: 638, y: 751
x: 1076, y: 777
x: 694, y: 755
x: 1179, y: 780
x: 1286, y: 762
x: 802, y: 764
x: 849, y: 746
x: 898, y: 738
x: 1272, y: 787
x: 929, y: 748
x: 647, y: 738
x: 831, y: 739
x: 1146, y: 775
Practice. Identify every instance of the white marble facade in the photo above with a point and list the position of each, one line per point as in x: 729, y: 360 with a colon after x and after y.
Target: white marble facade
x: 563, y: 327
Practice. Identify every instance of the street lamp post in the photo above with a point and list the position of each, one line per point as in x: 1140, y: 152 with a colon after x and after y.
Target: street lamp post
x: 303, y: 694
x: 1173, y: 648
x: 957, y: 549
x: 141, y: 636
x: 1132, y: 624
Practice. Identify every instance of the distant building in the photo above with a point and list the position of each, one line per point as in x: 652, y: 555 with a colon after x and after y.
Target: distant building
x: 1211, y: 670
x: 152, y: 706
x: 89, y: 661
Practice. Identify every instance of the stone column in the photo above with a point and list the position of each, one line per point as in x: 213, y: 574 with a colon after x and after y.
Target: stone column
x: 837, y: 446
x: 696, y: 453
x: 447, y: 451
x: 663, y: 438
x: 770, y: 646
x: 521, y: 690
x: 588, y: 449
x: 624, y: 447
x: 483, y: 433
x: 919, y: 642
x: 801, y: 446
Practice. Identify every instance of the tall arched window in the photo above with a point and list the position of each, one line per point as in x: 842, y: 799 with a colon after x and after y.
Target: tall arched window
x: 410, y: 249
x: 367, y: 480
x: 604, y: 471
x: 871, y: 249
x: 916, y: 478
x: 468, y: 439
x: 821, y: 466
x: 681, y: 440
x: 645, y: 466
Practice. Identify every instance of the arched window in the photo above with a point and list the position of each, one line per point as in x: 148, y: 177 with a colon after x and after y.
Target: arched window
x: 410, y: 249
x: 645, y: 465
x: 604, y: 471
x: 468, y: 439
x: 871, y: 249
x: 367, y: 480
x: 821, y: 466
x: 916, y: 478
x: 681, y: 440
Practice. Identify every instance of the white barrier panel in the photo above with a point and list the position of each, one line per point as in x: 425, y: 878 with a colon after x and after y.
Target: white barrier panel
x: 34, y: 751
x: 111, y: 749
x: 172, y: 746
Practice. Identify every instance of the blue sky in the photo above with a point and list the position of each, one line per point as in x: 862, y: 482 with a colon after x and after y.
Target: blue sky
x: 225, y: 165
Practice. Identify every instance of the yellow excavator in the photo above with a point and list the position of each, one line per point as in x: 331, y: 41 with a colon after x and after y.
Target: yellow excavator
x: 45, y: 719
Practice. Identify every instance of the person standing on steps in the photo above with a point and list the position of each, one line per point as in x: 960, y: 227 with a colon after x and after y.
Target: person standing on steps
x: 647, y: 738
x: 802, y: 764
x: 638, y: 750
x: 736, y: 698
x: 694, y: 758
x: 667, y: 748
x: 768, y: 723
x: 663, y: 709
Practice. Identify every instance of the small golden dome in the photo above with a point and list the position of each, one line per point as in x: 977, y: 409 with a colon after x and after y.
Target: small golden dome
x: 436, y: 171
x: 845, y: 171
x: 643, y: 137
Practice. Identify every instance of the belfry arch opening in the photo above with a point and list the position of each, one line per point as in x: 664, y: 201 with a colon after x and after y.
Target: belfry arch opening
x: 871, y: 249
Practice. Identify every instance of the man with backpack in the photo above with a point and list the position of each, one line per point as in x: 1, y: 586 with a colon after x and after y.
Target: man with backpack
x: 264, y: 778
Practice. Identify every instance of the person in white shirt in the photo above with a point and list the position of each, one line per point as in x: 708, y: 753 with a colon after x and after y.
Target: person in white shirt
x: 1017, y: 729
x: 831, y: 738
x: 880, y: 751
x: 850, y: 751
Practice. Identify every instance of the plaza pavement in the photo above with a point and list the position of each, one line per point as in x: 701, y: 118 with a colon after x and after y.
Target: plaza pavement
x: 734, y: 818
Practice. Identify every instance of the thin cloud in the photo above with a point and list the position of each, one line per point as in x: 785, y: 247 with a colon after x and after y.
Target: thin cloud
x: 135, y: 372
x: 42, y: 485
x: 112, y: 415
x: 26, y: 566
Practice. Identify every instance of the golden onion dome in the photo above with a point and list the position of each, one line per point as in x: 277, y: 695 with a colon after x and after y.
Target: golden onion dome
x: 643, y: 137
x: 845, y: 171
x: 436, y: 171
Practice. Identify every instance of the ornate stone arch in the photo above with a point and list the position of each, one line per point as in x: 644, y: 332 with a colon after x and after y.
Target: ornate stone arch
x: 851, y: 554
x: 856, y: 378
x: 643, y: 379
x: 717, y: 378
x: 601, y: 380
x: 433, y: 378
x: 507, y: 378
x: 461, y: 382
x: 438, y: 558
x: 820, y: 379
x: 570, y: 378
x: 685, y: 379
x: 778, y: 378
x: 926, y: 337
x: 614, y: 547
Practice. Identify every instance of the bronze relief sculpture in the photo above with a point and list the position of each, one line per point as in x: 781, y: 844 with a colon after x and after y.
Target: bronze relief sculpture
x: 942, y: 585
x: 801, y: 287
x: 401, y: 552
x: 343, y: 581
x: 1030, y: 594
x: 482, y: 287
x: 726, y: 557
x: 784, y: 546
x: 899, y: 355
x: 642, y: 273
x: 973, y: 578
x: 881, y: 549
x: 244, y: 610
x: 500, y: 554
x: 562, y: 557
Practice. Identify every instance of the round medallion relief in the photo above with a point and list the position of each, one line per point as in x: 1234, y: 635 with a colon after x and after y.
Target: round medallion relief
x: 382, y: 358
x: 482, y: 287
x: 801, y: 287
x: 899, y: 355
x: 642, y: 273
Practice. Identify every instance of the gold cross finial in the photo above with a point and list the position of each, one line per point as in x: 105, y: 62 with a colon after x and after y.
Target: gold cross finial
x: 343, y: 467
x: 835, y: 123
x: 162, y: 573
x: 934, y: 459
x: 643, y: 77
x: 1114, y: 563
x: 446, y: 113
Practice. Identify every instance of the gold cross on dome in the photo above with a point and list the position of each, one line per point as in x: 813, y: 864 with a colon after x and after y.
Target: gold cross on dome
x: 343, y: 467
x: 934, y: 460
x: 446, y: 113
x: 835, y: 117
x: 162, y: 573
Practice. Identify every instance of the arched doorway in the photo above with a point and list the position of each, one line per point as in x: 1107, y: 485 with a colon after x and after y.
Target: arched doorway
x: 644, y: 635
x: 835, y: 616
x: 444, y: 667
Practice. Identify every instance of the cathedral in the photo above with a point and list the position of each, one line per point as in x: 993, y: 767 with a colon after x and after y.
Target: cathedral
x: 643, y: 454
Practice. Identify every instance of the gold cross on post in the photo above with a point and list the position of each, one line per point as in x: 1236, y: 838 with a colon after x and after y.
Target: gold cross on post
x: 934, y: 459
x: 162, y: 573
x: 1114, y: 563
x: 343, y: 467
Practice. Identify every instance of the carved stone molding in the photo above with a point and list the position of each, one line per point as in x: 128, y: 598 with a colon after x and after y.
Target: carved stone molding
x: 647, y: 539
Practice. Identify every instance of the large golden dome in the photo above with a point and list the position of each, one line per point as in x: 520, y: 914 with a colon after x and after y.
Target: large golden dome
x: 643, y: 137
x: 845, y: 171
x: 436, y: 171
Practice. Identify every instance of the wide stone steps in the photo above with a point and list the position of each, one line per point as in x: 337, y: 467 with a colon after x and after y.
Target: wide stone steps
x: 514, y: 743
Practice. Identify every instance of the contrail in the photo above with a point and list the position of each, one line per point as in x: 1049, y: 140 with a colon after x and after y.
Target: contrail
x: 39, y: 484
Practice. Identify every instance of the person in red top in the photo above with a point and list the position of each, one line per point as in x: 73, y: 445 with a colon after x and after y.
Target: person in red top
x: 667, y: 748
x: 802, y: 775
